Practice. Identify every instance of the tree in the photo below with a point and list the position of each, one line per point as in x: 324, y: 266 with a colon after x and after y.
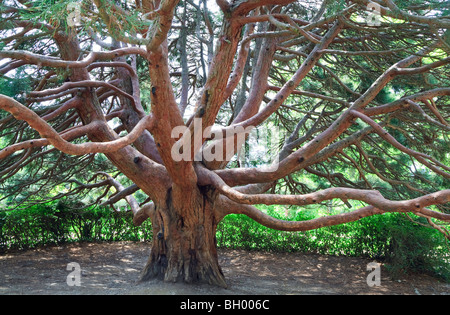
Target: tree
x: 361, y: 89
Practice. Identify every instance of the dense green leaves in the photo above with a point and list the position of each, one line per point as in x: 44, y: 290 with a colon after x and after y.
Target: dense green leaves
x: 51, y: 224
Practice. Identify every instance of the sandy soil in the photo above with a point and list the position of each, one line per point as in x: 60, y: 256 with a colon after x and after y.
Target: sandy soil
x: 114, y: 269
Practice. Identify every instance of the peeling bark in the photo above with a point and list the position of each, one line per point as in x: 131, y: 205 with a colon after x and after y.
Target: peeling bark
x: 184, y: 246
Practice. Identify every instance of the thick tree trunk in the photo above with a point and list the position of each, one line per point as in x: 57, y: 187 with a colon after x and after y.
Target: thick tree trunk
x: 184, y: 240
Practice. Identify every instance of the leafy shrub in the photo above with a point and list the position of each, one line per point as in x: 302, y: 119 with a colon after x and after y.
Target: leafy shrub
x: 415, y: 248
x: 53, y: 224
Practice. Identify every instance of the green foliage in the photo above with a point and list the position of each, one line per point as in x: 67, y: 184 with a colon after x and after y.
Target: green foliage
x: 52, y: 224
x: 15, y: 87
x: 414, y: 248
x: 334, y: 7
x: 55, y: 12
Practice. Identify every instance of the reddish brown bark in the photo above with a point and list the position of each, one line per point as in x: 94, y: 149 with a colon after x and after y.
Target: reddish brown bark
x: 184, y: 246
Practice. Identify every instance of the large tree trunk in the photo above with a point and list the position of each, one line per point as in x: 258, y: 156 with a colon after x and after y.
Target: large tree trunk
x: 184, y: 240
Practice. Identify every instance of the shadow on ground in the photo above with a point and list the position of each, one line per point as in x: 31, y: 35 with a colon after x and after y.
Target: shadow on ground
x: 113, y: 268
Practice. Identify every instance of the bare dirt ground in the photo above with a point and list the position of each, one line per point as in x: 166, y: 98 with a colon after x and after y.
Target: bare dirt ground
x: 114, y: 268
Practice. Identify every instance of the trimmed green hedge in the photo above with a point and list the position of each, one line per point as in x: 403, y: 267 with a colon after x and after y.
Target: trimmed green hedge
x: 48, y: 224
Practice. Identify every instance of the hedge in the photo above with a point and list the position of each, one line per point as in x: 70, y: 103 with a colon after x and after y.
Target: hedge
x: 48, y: 224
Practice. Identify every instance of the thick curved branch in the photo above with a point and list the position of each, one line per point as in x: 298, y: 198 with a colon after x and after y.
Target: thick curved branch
x: 214, y: 91
x: 42, y: 60
x: 243, y: 7
x: 396, y: 13
x: 404, y: 103
x: 68, y: 135
x: 21, y: 112
x: 238, y: 71
x: 145, y: 212
x: 167, y: 114
x: 230, y: 207
x: 121, y: 195
x: 162, y: 24
x: 120, y: 189
x: 223, y: 5
x: 371, y: 197
x: 82, y: 84
x: 72, y: 103
x: 425, y: 68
